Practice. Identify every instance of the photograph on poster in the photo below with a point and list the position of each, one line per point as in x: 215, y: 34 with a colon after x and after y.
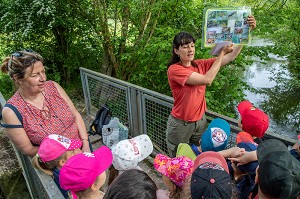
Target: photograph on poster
x: 226, y: 25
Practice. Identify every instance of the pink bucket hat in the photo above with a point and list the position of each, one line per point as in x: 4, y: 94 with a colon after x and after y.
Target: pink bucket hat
x: 177, y: 169
x: 55, y: 145
x: 81, y: 170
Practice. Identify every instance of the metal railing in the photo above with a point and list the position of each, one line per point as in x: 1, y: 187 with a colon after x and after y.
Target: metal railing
x: 142, y: 110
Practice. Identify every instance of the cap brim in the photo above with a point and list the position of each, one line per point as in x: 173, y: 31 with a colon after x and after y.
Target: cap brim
x: 162, y: 158
x: 75, y: 144
x: 104, y: 157
x: 242, y: 106
x: 211, y: 156
x: 270, y: 146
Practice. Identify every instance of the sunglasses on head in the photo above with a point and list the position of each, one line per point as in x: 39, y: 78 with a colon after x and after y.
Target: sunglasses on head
x: 18, y: 55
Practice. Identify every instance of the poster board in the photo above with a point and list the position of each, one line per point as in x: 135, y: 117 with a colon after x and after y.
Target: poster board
x: 226, y: 24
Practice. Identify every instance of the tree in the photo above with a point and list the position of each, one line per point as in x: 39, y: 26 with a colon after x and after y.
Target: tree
x: 53, y: 29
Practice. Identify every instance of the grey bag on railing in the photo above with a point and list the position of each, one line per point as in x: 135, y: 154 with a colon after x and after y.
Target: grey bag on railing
x: 114, y: 132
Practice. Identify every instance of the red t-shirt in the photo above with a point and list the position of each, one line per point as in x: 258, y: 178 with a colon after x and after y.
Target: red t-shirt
x: 37, y: 127
x: 189, y: 100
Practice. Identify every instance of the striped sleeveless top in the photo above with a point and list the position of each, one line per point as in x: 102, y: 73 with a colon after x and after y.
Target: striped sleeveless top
x: 60, y: 121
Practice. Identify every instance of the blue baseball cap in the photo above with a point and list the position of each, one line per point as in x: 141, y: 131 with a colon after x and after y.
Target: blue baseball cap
x: 215, y: 137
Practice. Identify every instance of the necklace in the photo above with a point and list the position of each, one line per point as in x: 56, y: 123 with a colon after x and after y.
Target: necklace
x: 46, y: 112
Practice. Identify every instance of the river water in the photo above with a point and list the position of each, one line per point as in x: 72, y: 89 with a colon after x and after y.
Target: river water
x: 264, y: 79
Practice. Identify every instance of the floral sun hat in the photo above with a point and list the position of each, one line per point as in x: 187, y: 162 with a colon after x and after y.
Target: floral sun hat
x: 177, y: 169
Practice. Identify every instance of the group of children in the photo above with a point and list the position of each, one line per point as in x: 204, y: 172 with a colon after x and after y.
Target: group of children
x: 209, y: 170
x: 81, y: 175
x: 203, y: 171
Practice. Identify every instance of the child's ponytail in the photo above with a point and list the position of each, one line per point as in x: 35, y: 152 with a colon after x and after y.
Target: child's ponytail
x: 46, y: 167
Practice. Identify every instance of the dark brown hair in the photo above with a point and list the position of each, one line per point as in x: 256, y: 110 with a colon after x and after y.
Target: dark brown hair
x: 180, y: 39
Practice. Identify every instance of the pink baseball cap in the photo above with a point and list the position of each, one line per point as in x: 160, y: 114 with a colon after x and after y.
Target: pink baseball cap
x: 81, y: 170
x: 210, y: 157
x: 55, y: 145
x: 177, y: 169
x: 254, y: 120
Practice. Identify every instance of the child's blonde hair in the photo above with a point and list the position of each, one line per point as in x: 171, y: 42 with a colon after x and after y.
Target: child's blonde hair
x: 47, y: 167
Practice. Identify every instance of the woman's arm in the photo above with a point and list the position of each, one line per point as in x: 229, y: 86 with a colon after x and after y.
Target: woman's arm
x: 78, y: 119
x: 199, y: 79
x: 18, y: 136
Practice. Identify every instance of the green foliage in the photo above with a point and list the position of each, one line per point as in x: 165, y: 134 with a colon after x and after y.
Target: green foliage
x: 132, y: 40
x: 53, y: 29
x: 7, y: 87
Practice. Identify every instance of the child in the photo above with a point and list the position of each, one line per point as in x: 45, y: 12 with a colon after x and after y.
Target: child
x: 53, y: 153
x: 278, y: 173
x: 128, y: 153
x: 215, y: 138
x: 175, y: 172
x: 295, y: 151
x: 210, y: 177
x: 84, y: 174
x: 244, y: 175
x: 253, y: 120
x: 132, y: 183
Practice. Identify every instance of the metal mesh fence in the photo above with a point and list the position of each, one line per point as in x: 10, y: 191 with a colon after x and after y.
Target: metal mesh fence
x: 102, y: 92
x: 156, y: 117
x: 142, y: 110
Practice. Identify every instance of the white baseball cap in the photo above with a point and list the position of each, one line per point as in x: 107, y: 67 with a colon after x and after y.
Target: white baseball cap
x: 128, y: 153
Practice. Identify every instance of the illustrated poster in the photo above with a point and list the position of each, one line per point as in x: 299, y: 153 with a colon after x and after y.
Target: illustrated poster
x: 226, y: 24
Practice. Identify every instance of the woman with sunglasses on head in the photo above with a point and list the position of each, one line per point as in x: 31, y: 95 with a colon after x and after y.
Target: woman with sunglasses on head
x: 38, y: 107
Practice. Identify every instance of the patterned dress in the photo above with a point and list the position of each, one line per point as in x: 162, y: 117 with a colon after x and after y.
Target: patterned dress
x: 58, y: 118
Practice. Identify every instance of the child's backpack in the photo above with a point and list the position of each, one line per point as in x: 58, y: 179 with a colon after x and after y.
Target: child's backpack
x: 103, y: 117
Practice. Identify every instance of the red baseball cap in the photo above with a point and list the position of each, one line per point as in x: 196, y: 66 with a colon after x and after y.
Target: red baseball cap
x: 254, y: 120
x: 213, y: 157
x: 244, y: 137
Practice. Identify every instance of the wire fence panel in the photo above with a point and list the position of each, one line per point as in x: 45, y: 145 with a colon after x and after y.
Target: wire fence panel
x: 142, y: 110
